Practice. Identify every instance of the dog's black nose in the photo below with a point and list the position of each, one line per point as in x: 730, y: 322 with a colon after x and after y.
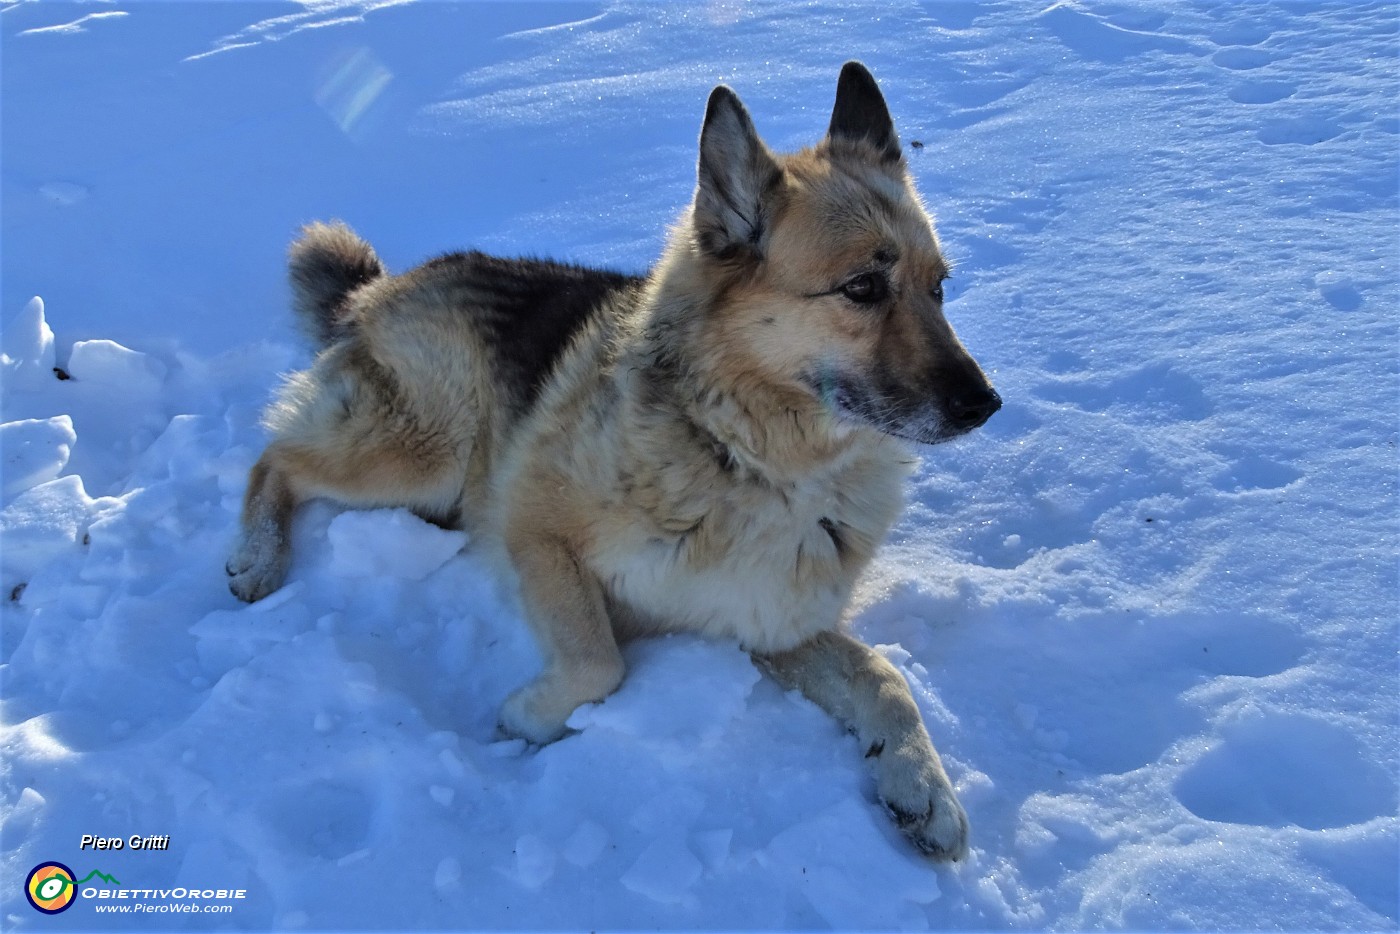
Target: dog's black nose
x: 970, y: 409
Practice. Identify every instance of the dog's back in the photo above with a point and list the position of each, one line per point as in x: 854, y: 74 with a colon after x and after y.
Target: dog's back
x: 521, y: 313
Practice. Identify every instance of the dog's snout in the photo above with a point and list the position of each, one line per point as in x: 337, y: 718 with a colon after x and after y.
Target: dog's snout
x: 972, y: 408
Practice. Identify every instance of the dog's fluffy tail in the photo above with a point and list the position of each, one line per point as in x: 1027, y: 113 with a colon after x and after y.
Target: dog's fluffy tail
x: 327, y: 263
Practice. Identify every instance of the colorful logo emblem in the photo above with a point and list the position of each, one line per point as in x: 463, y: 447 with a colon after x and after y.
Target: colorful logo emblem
x: 50, y: 887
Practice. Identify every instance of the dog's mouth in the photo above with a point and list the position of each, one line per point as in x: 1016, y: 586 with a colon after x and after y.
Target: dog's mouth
x: 856, y: 402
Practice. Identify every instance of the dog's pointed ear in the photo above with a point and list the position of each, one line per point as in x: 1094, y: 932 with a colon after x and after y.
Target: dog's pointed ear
x: 736, y: 178
x: 861, y: 113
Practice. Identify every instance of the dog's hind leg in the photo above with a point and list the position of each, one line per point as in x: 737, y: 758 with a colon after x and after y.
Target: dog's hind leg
x: 865, y: 692
x: 567, y: 611
x: 291, y: 472
x: 343, y: 432
x: 259, y: 562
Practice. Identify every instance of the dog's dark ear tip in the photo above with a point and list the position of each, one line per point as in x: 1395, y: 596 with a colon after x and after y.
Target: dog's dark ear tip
x: 855, y: 68
x: 726, y: 118
x: 855, y: 78
x: 722, y: 96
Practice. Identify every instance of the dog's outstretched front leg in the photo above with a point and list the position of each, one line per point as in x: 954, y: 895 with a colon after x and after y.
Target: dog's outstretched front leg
x: 566, y: 610
x: 861, y: 689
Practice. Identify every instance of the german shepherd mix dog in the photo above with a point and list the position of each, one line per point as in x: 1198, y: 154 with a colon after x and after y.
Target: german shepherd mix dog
x: 716, y: 447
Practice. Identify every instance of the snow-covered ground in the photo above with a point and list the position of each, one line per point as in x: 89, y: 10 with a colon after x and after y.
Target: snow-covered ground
x: 1149, y: 612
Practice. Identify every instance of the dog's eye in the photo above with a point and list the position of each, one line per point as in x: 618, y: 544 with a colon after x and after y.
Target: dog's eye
x: 866, y: 288
x: 937, y: 291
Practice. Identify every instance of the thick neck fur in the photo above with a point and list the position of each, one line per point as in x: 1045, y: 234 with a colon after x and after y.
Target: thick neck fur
x: 687, y: 363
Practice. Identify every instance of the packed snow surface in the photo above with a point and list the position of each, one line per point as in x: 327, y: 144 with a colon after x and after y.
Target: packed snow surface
x: 1149, y: 611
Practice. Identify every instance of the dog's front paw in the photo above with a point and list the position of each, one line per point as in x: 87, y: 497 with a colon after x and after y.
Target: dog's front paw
x: 528, y: 715
x: 255, y: 572
x: 916, y: 792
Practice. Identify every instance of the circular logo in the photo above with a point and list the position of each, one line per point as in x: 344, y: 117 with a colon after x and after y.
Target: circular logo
x: 49, y: 888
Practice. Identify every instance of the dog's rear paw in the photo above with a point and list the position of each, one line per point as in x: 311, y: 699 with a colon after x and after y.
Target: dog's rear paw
x: 523, y: 717
x: 922, y: 803
x: 254, y: 573
x: 256, y: 582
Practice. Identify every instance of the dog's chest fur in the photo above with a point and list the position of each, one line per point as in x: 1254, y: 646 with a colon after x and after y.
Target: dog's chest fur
x: 683, y: 532
x: 689, y: 544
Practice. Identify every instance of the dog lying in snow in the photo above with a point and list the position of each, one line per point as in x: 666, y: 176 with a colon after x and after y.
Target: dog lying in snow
x: 718, y: 446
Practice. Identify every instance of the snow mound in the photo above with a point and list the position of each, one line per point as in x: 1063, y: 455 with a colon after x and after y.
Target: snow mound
x: 27, y: 348
x: 389, y: 543
x: 36, y: 451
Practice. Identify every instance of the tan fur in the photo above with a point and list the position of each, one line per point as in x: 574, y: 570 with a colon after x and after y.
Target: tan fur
x: 682, y: 468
